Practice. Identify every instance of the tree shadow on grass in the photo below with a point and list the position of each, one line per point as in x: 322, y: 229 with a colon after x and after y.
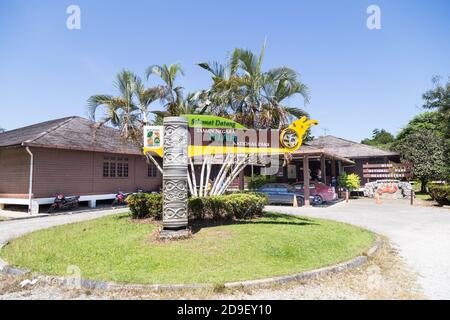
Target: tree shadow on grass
x: 275, y: 219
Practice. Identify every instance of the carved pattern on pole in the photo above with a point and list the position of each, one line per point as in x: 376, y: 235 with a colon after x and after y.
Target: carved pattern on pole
x: 175, y: 161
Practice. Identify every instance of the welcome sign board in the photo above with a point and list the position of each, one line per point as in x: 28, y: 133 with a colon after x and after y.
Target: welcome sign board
x: 210, y: 135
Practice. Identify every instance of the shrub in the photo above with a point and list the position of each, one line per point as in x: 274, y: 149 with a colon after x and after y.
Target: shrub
x: 240, y: 205
x: 196, y: 208
x: 243, y: 206
x: 236, y: 205
x: 255, y: 193
x: 259, y: 180
x: 349, y: 182
x: 144, y: 205
x: 440, y: 193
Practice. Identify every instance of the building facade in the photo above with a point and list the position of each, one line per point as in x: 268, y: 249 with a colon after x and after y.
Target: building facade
x: 72, y: 156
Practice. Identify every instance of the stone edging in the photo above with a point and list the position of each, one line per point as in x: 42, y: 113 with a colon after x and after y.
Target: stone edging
x: 103, y: 285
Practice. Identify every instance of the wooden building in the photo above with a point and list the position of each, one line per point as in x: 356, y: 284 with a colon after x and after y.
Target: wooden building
x: 73, y: 156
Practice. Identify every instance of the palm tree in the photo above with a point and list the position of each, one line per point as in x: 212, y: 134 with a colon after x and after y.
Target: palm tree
x: 171, y: 95
x: 255, y: 98
x: 129, y: 110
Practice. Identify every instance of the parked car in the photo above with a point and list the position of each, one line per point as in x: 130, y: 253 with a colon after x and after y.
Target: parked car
x: 283, y: 193
x: 323, y: 192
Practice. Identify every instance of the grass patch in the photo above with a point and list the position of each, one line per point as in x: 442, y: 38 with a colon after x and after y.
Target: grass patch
x: 3, y: 219
x: 423, y: 196
x: 116, y: 249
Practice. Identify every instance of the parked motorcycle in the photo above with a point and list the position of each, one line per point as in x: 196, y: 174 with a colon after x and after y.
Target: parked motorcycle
x: 62, y: 202
x: 120, y: 199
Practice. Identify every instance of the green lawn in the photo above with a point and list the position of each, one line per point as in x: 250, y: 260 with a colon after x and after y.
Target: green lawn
x: 423, y: 196
x: 117, y: 249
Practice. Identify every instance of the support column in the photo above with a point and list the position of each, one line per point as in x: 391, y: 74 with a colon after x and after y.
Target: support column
x: 241, y: 180
x: 323, y: 168
x: 306, y: 180
x: 92, y: 204
x: 333, y: 168
x: 34, y: 207
x: 333, y: 171
x: 175, y: 171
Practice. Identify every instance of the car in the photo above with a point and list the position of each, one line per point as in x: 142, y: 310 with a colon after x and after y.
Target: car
x: 283, y: 193
x: 318, y: 189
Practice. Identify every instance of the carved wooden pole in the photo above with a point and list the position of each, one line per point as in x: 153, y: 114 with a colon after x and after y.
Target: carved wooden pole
x: 175, y: 171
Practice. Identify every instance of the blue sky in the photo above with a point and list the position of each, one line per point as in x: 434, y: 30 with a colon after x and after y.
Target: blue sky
x: 360, y: 79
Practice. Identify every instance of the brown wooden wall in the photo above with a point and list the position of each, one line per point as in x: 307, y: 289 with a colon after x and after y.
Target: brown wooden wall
x: 69, y: 172
x: 77, y: 172
x: 14, y: 172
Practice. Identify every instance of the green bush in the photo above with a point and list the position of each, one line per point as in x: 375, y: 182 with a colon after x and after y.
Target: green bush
x: 144, y: 205
x: 259, y: 180
x: 255, y: 193
x: 440, y: 193
x: 243, y: 205
x: 240, y: 205
x: 236, y: 205
x: 349, y: 182
x: 196, y: 208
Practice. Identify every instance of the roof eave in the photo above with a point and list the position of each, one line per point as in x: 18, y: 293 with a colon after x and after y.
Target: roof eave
x: 61, y: 147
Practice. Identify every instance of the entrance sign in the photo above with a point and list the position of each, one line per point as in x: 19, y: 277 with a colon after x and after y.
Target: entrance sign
x: 198, y: 135
x: 230, y: 137
x: 211, y: 141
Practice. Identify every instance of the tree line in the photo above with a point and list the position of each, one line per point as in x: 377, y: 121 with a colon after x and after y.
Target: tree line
x: 425, y: 140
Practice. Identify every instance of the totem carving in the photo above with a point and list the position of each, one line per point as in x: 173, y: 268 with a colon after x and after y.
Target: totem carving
x: 175, y: 170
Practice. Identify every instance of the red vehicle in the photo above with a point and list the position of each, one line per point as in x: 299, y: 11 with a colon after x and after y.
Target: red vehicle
x: 324, y: 192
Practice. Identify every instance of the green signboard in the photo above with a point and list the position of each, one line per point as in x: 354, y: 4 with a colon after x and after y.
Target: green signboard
x: 205, y: 121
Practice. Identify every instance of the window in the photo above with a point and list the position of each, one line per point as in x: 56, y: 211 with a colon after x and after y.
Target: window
x: 122, y: 169
x: 115, y: 167
x: 106, y: 169
x: 112, y: 169
x: 151, y: 170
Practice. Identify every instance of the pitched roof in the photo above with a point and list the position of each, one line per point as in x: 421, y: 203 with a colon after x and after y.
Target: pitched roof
x: 349, y: 149
x: 74, y: 133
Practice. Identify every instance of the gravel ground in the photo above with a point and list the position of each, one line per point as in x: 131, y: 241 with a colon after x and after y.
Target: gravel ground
x: 420, y: 234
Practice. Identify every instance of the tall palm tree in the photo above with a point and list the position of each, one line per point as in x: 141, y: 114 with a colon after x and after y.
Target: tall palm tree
x: 127, y: 111
x: 251, y: 96
x: 171, y: 95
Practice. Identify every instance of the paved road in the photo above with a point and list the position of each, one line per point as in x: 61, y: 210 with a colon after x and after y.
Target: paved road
x: 422, y: 234
x: 16, y: 228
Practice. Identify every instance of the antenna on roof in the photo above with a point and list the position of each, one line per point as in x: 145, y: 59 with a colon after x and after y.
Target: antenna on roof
x: 325, y: 131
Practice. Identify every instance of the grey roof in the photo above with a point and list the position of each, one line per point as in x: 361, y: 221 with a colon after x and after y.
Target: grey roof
x: 348, y: 149
x: 73, y: 133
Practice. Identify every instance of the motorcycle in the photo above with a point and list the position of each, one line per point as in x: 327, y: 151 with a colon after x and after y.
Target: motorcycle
x: 120, y: 199
x: 62, y: 202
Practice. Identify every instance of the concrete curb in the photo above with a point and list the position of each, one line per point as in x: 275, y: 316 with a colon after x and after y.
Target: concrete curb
x: 104, y: 285
x: 63, y: 213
